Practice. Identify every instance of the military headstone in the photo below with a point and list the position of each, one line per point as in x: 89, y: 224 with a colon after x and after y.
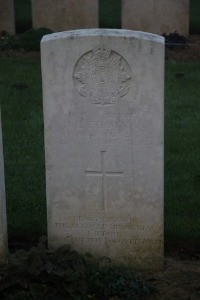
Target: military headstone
x: 156, y: 16
x: 3, y: 219
x: 7, y: 20
x: 62, y: 15
x: 103, y: 111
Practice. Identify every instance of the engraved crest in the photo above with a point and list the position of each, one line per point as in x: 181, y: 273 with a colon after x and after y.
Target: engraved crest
x: 102, y: 76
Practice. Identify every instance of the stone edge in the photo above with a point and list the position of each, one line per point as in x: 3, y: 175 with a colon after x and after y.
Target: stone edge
x: 104, y: 32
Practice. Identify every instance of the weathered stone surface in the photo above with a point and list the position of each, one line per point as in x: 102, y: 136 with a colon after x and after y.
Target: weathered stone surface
x: 7, y: 20
x: 156, y: 16
x: 103, y: 111
x: 60, y: 15
x: 3, y: 219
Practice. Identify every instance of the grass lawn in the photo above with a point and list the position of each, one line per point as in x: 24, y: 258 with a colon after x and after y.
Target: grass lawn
x: 110, y: 13
x: 182, y: 155
x: 22, y: 118
x: 194, y: 16
x: 23, y: 18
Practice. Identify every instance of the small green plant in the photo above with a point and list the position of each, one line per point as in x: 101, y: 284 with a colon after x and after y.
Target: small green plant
x: 27, y: 41
x: 30, y: 39
x: 174, y: 39
x: 7, y: 41
x: 64, y: 274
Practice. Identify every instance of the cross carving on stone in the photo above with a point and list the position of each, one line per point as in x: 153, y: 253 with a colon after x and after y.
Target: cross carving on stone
x: 103, y: 174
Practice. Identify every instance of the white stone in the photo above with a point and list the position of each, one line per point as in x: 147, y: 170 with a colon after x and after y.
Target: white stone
x: 7, y: 20
x: 3, y: 219
x: 156, y: 16
x: 103, y: 112
x: 62, y: 15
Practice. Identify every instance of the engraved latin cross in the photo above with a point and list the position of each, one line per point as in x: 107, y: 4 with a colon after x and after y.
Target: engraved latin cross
x: 103, y: 174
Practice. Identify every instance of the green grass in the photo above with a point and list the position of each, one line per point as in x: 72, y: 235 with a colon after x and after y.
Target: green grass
x: 194, y: 16
x: 23, y: 146
x: 23, y: 18
x: 182, y: 155
x: 110, y: 13
x: 24, y: 150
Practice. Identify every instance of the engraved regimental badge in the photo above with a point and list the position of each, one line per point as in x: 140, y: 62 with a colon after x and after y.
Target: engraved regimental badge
x: 102, y: 76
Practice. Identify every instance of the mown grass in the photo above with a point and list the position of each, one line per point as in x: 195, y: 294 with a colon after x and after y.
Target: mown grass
x: 194, y: 16
x: 22, y: 119
x: 110, y: 13
x: 182, y: 155
x: 23, y: 17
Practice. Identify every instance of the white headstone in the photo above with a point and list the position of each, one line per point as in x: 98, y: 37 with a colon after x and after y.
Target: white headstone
x: 60, y: 15
x: 3, y: 219
x: 156, y: 16
x: 103, y: 111
x: 7, y: 19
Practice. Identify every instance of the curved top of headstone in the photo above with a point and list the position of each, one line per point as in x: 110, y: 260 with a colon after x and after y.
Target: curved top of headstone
x: 103, y: 32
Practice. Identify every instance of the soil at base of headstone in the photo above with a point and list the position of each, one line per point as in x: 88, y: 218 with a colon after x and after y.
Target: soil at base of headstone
x: 180, y: 277
x: 178, y: 280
